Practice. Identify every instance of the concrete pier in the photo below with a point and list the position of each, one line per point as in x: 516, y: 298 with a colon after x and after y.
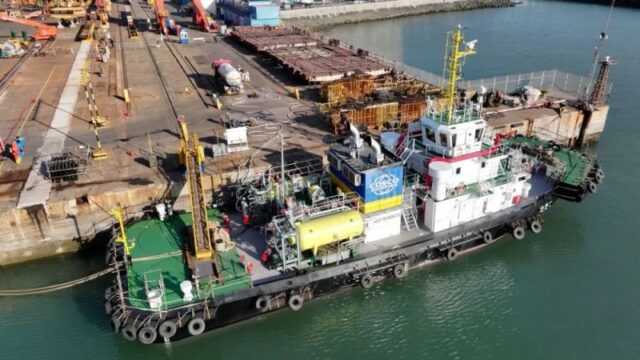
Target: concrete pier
x: 327, y: 16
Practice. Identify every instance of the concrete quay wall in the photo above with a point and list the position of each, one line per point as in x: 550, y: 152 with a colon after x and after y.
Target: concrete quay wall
x: 68, y: 224
x: 327, y: 16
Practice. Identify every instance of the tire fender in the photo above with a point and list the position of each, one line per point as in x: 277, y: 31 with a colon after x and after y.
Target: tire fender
x: 366, y: 281
x: 295, y: 302
x: 167, y: 329
x: 147, y: 335
x: 196, y: 326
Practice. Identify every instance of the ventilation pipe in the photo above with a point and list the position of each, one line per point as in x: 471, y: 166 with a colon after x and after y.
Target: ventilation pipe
x: 356, y: 141
x: 377, y: 156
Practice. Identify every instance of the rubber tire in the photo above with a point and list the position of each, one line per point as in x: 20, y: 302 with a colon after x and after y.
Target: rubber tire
x: 295, y: 302
x: 598, y: 178
x: 600, y: 172
x: 487, y: 237
x: 452, y: 254
x: 147, y: 335
x: 535, y: 226
x: 518, y: 232
x: 108, y: 308
x: 400, y: 271
x: 196, y: 326
x: 107, y: 293
x: 167, y: 329
x: 262, y: 303
x: 592, y: 187
x: 115, y: 324
x: 366, y: 281
x: 129, y: 333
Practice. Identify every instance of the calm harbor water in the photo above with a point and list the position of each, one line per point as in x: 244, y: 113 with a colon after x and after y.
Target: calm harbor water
x: 571, y: 292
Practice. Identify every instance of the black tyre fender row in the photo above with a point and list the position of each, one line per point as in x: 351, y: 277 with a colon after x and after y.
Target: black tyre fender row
x: 164, y: 329
x: 295, y: 300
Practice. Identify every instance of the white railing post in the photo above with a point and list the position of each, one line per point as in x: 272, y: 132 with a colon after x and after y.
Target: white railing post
x: 506, y: 83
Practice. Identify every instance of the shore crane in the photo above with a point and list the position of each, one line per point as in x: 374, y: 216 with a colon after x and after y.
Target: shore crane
x: 161, y: 16
x: 200, y: 17
x: 191, y: 157
x: 43, y: 31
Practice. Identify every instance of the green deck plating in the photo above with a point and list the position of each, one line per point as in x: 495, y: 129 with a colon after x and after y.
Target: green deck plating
x: 157, y: 258
x: 575, y: 164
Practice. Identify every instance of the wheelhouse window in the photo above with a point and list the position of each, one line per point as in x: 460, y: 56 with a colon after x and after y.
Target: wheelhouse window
x: 431, y: 135
x: 443, y: 139
x: 478, y: 136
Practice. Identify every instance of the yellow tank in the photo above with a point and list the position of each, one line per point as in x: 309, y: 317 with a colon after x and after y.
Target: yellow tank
x: 329, y: 229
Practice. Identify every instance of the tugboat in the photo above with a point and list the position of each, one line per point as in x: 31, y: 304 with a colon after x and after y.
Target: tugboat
x: 380, y: 208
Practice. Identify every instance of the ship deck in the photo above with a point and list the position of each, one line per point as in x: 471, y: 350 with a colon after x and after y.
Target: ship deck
x: 158, y: 255
x: 575, y: 164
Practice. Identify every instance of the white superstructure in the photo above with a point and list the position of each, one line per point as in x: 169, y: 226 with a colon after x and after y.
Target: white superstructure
x: 468, y: 176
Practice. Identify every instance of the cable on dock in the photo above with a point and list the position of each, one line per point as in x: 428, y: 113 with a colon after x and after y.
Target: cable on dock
x: 56, y: 287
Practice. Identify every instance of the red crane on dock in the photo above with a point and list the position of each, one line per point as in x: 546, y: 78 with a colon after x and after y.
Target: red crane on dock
x: 43, y: 31
x: 161, y: 15
x: 200, y: 17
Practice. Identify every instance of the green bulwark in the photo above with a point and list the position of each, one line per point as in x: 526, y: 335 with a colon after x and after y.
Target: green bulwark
x: 158, y: 255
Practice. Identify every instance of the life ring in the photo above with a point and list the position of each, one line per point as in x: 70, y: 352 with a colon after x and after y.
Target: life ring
x: 535, y: 226
x: 129, y: 333
x: 518, y: 232
x: 592, y: 187
x: 452, y: 254
x: 400, y: 271
x: 263, y: 303
x: 366, y: 281
x: 147, y: 335
x: 196, y: 326
x: 487, y: 237
x: 167, y: 329
x: 295, y: 302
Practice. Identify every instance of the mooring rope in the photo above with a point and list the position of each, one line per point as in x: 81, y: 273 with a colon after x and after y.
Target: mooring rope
x: 56, y: 287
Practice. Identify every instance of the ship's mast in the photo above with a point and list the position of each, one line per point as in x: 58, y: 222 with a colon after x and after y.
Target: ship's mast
x: 453, y: 63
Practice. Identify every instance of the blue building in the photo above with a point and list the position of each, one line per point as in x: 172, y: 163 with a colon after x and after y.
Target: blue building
x: 250, y: 12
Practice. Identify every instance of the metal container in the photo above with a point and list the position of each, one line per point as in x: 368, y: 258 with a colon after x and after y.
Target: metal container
x: 329, y: 229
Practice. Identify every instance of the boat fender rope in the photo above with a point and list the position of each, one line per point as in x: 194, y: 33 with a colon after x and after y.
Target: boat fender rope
x: 295, y: 302
x: 196, y: 326
x: 56, y: 287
